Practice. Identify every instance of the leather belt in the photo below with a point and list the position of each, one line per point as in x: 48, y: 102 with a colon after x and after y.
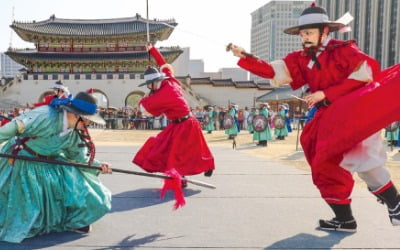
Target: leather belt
x: 29, y: 150
x: 181, y: 119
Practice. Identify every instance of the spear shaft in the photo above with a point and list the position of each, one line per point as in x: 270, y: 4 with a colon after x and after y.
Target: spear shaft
x: 80, y: 165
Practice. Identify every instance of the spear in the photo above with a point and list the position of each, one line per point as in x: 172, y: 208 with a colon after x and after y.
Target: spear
x: 80, y: 165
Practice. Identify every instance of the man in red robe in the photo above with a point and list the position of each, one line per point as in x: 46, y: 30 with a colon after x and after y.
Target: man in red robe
x: 60, y: 91
x: 181, y: 145
x: 343, y: 82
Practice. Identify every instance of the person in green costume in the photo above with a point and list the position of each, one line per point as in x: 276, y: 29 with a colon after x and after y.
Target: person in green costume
x: 250, y: 120
x: 280, y: 133
x: 210, y: 125
x: 233, y: 130
x: 40, y: 198
x: 263, y: 136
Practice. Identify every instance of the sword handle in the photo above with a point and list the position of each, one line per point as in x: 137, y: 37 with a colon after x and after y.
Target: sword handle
x: 229, y: 48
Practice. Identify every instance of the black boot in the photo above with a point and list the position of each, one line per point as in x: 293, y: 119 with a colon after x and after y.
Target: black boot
x: 343, y: 221
x: 208, y: 173
x: 390, y: 196
x: 263, y: 143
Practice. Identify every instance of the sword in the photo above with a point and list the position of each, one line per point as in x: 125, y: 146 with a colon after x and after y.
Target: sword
x: 80, y: 165
x: 229, y: 48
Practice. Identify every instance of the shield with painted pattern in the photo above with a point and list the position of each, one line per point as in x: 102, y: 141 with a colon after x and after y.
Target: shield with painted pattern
x: 260, y: 123
x: 228, y: 121
x: 206, y: 119
x: 279, y: 121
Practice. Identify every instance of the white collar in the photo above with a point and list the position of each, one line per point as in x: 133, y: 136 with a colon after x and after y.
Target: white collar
x: 311, y: 62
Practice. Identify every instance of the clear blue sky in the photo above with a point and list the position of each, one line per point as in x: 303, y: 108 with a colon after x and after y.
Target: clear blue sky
x: 205, y: 26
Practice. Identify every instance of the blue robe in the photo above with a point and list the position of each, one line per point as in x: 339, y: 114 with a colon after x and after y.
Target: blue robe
x: 38, y: 198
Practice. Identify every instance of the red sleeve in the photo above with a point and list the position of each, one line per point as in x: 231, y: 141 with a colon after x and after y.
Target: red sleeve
x: 257, y: 66
x: 292, y: 61
x: 157, y: 56
x: 156, y: 103
x: 47, y: 100
x: 349, y: 59
x: 160, y: 61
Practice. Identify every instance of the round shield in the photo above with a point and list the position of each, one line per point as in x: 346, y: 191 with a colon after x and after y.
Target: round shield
x: 250, y: 119
x: 260, y: 123
x: 392, y: 126
x: 206, y: 119
x: 279, y: 122
x: 228, y: 121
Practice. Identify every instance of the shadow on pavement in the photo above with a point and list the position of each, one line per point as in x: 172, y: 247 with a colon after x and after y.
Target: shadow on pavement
x: 129, y: 243
x: 43, y: 241
x: 294, y: 156
x: 309, y: 241
x: 141, y: 198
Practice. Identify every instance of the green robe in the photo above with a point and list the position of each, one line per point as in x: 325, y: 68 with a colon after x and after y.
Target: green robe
x: 234, y: 129
x: 38, y: 198
x: 250, y: 125
x: 210, y: 125
x: 283, y: 131
x: 266, y: 134
x: 392, y: 135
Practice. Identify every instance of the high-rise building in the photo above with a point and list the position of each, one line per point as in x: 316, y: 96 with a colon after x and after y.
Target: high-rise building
x: 267, y: 24
x: 8, y: 67
x: 376, y: 26
x: 196, y: 67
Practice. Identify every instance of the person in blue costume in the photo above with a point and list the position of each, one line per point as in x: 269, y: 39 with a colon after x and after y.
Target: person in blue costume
x: 40, y: 198
x: 236, y: 108
x: 287, y: 118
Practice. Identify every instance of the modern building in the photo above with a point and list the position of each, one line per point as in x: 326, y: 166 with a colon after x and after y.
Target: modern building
x: 8, y: 67
x: 376, y: 26
x: 236, y: 74
x: 267, y: 24
x: 196, y: 67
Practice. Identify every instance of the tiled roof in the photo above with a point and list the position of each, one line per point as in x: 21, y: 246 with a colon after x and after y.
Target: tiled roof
x: 223, y: 82
x: 281, y: 93
x: 34, y: 55
x: 93, y: 27
x: 229, y: 83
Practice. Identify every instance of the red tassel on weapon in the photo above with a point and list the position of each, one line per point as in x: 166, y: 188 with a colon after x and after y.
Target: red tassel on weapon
x: 174, y: 184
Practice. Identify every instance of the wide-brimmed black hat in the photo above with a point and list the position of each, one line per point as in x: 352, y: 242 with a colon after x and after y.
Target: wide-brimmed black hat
x: 84, y: 105
x: 151, y: 75
x: 312, y: 17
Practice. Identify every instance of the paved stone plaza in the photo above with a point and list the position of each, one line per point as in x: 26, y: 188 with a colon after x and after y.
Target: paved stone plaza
x: 258, y: 204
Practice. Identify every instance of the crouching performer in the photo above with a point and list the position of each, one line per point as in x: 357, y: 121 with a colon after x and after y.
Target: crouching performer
x: 343, y: 81
x: 180, y: 149
x: 39, y: 198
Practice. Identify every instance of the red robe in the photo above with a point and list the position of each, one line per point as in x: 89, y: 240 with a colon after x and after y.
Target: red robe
x: 4, y: 122
x: 180, y: 145
x: 47, y: 100
x: 356, y: 111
